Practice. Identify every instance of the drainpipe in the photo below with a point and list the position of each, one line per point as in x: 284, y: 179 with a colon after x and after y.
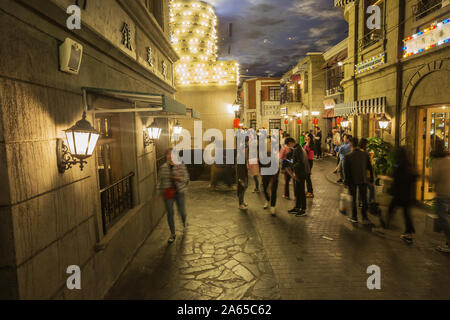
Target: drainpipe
x: 355, y: 62
x: 398, y: 102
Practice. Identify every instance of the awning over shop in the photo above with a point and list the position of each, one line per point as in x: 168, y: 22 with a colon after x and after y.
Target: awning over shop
x: 367, y: 106
x: 328, y: 113
x: 329, y: 103
x: 335, y: 59
x: 194, y: 114
x: 101, y: 100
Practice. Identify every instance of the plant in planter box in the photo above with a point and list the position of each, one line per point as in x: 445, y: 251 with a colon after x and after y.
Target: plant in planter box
x: 383, y: 157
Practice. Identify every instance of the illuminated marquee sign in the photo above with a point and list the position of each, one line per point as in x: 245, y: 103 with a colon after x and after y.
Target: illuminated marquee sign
x: 370, y: 64
x: 436, y: 35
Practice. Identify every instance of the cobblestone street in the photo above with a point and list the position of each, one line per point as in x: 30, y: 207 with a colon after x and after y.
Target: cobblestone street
x: 228, y: 254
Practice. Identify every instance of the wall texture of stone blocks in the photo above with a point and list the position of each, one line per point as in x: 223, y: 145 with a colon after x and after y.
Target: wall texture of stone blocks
x: 49, y: 220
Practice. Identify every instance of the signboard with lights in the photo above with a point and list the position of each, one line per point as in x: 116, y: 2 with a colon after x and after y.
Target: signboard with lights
x: 370, y: 64
x: 436, y: 35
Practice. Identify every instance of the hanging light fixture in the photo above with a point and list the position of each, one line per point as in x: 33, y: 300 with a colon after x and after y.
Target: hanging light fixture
x: 151, y: 133
x: 81, y: 139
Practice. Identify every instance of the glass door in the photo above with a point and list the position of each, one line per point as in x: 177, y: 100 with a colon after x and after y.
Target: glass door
x: 437, y: 132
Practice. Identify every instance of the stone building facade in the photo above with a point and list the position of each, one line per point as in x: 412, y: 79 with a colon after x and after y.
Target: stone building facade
x: 261, y: 103
x: 49, y: 220
x: 305, y: 90
x: 400, y: 70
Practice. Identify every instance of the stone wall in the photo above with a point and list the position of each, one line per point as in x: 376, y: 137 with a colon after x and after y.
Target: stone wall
x: 49, y: 220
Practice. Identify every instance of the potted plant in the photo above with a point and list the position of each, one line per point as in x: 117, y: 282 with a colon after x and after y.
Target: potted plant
x: 382, y: 158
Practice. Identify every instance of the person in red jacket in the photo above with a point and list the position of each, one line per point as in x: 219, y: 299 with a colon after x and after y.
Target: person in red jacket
x: 309, y: 148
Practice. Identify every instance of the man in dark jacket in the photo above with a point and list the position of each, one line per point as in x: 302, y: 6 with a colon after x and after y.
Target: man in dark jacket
x: 356, y: 165
x: 299, y: 170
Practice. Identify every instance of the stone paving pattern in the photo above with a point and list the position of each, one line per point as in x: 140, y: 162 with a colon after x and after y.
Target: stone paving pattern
x: 225, y: 253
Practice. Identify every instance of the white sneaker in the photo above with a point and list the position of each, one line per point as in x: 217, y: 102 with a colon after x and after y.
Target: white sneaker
x: 272, y: 211
x: 445, y: 248
x: 266, y: 205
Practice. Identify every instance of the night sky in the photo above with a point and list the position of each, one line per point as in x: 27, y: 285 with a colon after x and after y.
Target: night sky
x: 271, y: 36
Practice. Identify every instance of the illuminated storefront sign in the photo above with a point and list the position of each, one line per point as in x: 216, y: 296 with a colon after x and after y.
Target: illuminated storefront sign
x: 436, y: 35
x: 370, y: 64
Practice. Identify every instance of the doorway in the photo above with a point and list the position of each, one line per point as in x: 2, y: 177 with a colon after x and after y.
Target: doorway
x: 434, y: 128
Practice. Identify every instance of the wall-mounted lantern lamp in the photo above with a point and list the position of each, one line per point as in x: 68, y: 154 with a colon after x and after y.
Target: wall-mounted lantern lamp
x: 177, y: 129
x: 151, y: 134
x: 383, y: 122
x: 81, y: 139
x: 345, y: 123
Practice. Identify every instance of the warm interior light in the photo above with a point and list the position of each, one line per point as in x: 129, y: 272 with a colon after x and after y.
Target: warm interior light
x: 345, y: 123
x: 82, y: 139
x: 383, y: 122
x: 154, y: 132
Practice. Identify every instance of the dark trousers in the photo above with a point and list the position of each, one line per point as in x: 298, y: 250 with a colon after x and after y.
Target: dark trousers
x: 241, y: 190
x: 362, y: 189
x: 255, y: 178
x: 319, y: 148
x: 409, y: 228
x: 287, y: 180
x: 300, y: 196
x: 273, y: 180
x: 309, y: 185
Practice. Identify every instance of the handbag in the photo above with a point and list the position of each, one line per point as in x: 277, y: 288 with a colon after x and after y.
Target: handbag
x: 345, y: 202
x: 169, y: 193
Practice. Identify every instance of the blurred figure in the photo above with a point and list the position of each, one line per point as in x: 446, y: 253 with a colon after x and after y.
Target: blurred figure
x: 356, y: 166
x: 301, y: 141
x: 270, y: 183
x: 299, y: 170
x: 363, y: 146
x: 336, y: 141
x: 329, y: 141
x: 318, y: 143
x: 310, y: 155
x: 343, y: 150
x: 440, y: 178
x: 253, y: 165
x: 402, y: 191
x: 242, y: 179
x: 172, y: 183
x: 285, y: 158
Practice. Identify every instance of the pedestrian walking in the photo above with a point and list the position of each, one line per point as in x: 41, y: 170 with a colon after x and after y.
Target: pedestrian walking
x: 356, y: 166
x: 318, y: 143
x: 371, y: 186
x: 242, y: 178
x: 299, y: 171
x: 253, y: 164
x: 329, y: 141
x: 343, y: 150
x: 402, y: 191
x: 172, y: 183
x: 440, y: 178
x: 285, y: 160
x: 301, y: 140
x: 270, y: 185
x: 310, y: 154
x: 336, y: 140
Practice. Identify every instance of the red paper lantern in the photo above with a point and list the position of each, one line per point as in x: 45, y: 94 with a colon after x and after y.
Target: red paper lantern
x: 317, y: 121
x: 299, y: 121
x: 236, y: 123
x: 338, y: 121
x: 286, y: 121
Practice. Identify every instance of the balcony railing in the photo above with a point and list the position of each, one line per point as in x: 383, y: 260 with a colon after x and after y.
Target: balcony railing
x: 333, y: 91
x: 425, y: 7
x: 115, y: 200
x: 370, y: 38
x: 289, y: 98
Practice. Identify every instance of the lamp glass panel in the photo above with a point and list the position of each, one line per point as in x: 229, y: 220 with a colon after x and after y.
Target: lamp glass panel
x: 81, y: 142
x: 345, y: 124
x: 383, y: 124
x: 70, y: 142
x: 177, y: 130
x: 154, y: 133
x: 92, y: 143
